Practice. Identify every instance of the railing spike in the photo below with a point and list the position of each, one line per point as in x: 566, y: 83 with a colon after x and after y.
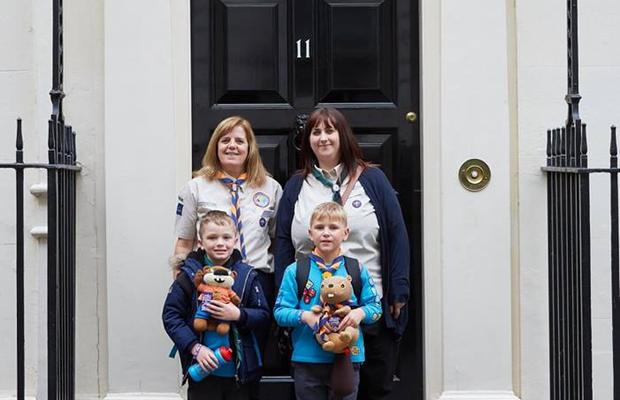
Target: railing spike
x: 613, y: 147
x: 563, y: 141
x: 584, y: 140
x: 556, y: 142
x: 548, y: 142
x: 19, y: 142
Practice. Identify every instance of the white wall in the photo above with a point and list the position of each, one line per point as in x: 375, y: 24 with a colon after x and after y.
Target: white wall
x: 22, y: 79
x: 140, y: 193
x: 542, y: 86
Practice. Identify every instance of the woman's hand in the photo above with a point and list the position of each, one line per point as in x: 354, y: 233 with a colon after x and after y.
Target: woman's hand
x: 395, y: 309
x: 353, y: 319
x: 207, y: 359
x: 223, y: 311
x: 311, y: 319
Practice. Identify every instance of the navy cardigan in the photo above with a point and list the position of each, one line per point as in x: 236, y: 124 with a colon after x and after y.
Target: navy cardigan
x: 392, y: 237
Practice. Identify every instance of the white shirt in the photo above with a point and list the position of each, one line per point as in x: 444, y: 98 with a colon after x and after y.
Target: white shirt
x: 258, y: 212
x: 363, y: 242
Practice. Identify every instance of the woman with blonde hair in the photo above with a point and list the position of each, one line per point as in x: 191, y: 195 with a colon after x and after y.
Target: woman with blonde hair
x: 233, y: 179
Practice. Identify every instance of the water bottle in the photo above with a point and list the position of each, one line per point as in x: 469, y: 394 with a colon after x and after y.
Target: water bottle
x: 224, y: 355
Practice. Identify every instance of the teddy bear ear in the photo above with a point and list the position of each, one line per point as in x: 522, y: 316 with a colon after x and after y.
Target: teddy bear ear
x: 349, y: 278
x: 233, y: 274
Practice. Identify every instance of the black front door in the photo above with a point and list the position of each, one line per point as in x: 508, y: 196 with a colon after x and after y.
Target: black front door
x: 273, y: 61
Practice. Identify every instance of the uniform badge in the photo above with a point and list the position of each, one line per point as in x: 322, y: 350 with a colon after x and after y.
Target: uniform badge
x: 261, y: 199
x: 262, y: 222
x: 355, y: 350
x: 308, y: 292
x: 179, y: 208
x: 357, y: 204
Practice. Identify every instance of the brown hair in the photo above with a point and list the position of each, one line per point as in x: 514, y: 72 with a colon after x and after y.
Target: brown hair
x: 216, y: 217
x: 331, y: 210
x: 350, y: 152
x: 256, y: 172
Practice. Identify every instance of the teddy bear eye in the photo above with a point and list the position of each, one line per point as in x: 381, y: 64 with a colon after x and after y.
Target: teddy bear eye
x: 342, y: 285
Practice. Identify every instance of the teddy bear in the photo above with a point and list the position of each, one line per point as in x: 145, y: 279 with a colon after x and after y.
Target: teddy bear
x: 213, y: 283
x: 335, y: 296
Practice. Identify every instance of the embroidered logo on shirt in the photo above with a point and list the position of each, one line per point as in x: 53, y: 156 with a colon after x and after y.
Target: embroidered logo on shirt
x: 308, y: 292
x: 357, y: 204
x: 262, y: 222
x: 261, y: 199
x: 179, y: 208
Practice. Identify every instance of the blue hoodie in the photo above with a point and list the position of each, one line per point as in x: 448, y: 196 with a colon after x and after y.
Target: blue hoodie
x: 288, y: 310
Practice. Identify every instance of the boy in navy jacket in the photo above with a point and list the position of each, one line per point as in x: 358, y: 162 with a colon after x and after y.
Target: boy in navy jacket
x: 312, y: 365
x: 218, y: 236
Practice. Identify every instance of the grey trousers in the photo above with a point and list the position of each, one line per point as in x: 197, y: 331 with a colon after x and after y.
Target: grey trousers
x: 313, y: 381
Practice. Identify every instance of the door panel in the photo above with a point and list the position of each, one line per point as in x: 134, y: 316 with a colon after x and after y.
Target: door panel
x: 272, y: 61
x: 249, y: 52
x: 355, y: 56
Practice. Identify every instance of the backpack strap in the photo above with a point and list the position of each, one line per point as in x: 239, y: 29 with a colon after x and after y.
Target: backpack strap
x: 353, y: 269
x: 351, y: 264
x: 301, y: 274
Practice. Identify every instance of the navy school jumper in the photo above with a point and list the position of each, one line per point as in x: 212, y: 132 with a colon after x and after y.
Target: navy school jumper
x: 393, y: 238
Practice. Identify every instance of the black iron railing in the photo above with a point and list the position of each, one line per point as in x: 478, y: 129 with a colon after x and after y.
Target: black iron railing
x: 62, y: 170
x: 568, y: 215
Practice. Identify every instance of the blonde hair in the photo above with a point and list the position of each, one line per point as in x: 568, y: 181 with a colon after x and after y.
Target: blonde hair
x: 331, y: 210
x: 254, y: 168
x: 216, y: 217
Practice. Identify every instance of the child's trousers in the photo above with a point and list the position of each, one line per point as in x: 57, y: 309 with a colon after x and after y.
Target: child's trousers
x: 313, y: 381
x: 217, y: 388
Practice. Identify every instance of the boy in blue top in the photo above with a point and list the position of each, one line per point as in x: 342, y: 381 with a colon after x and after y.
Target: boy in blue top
x: 311, y: 364
x: 230, y: 380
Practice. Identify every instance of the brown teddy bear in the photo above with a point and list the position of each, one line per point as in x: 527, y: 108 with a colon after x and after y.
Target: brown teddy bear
x: 335, y: 295
x: 214, y: 283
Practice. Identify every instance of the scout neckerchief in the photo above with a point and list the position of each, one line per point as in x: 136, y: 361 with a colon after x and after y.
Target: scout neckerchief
x: 235, y: 205
x: 208, y: 261
x: 327, y: 269
x: 334, y: 186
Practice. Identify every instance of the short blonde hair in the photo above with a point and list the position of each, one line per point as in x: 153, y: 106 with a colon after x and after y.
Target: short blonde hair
x: 216, y: 217
x: 254, y: 168
x: 331, y: 210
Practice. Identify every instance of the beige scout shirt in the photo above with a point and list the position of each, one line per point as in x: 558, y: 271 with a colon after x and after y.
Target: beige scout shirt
x: 258, y: 212
x: 363, y: 242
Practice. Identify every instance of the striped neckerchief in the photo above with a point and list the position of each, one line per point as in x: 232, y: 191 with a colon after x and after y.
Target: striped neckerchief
x: 235, y: 206
x: 327, y: 269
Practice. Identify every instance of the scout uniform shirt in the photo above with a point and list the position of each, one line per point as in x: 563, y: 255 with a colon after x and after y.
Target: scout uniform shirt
x: 258, y: 212
x: 363, y: 242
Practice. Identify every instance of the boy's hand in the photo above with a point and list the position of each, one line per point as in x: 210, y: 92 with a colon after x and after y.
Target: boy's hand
x: 311, y: 319
x: 354, y: 318
x: 207, y: 359
x: 223, y: 311
x: 395, y: 309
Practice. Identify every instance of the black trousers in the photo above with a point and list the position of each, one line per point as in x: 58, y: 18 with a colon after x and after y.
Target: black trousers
x: 217, y: 388
x: 377, y: 372
x: 267, y: 283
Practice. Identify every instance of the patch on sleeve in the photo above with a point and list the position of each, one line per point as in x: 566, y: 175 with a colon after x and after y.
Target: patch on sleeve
x: 179, y: 208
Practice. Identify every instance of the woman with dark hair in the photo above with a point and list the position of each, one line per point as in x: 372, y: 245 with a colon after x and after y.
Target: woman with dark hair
x: 332, y: 169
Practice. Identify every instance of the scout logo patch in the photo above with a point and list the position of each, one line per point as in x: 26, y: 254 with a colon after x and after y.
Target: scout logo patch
x: 262, y: 222
x: 357, y: 203
x: 261, y: 199
x: 179, y: 208
x: 355, y: 350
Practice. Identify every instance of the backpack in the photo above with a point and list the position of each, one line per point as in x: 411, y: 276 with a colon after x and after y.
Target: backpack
x: 351, y: 265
